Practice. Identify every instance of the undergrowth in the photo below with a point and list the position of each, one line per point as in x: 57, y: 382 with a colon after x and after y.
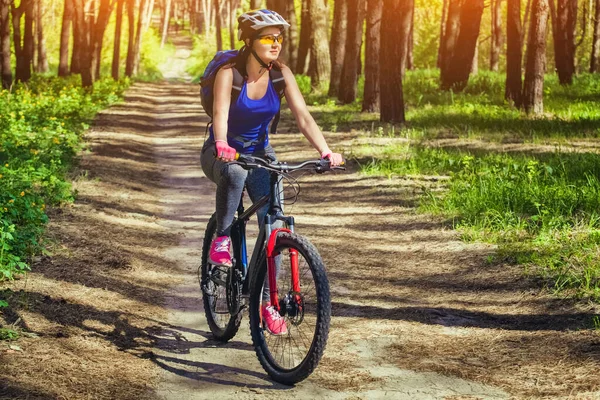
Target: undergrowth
x: 41, y: 126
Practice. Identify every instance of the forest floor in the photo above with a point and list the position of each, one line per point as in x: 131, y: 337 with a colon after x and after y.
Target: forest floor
x: 115, y: 311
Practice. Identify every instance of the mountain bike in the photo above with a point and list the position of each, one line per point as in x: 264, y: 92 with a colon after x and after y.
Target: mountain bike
x: 284, y: 266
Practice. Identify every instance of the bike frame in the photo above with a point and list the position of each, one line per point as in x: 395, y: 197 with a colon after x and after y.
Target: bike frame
x: 264, y: 245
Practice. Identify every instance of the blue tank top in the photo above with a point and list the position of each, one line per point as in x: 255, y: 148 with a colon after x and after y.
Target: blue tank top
x: 249, y: 120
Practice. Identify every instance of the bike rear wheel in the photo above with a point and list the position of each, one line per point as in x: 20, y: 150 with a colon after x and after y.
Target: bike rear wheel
x: 292, y: 357
x: 216, y: 287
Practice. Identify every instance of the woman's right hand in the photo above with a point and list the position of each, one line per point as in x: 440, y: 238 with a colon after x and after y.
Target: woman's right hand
x: 224, y: 151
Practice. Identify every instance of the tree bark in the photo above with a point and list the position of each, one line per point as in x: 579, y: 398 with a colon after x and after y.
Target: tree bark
x: 514, y: 51
x: 65, y: 35
x: 496, y: 7
x: 305, y: 37
x: 475, y: 61
x: 5, y: 69
x: 319, y: 49
x: 373, y: 37
x: 390, y: 63
x: 42, y: 57
x: 165, y: 24
x: 405, y: 21
x: 457, y: 69
x: 145, y: 11
x: 533, y: 89
x: 99, y: 28
x: 451, y: 31
x: 23, y: 44
x: 595, y: 58
x: 231, y: 24
x: 442, y: 33
x: 218, y: 32
x: 564, y: 22
x: 337, y: 46
x: 116, y: 61
x: 350, y: 70
x: 129, y: 63
x: 292, y: 35
x: 410, y: 56
x: 83, y: 19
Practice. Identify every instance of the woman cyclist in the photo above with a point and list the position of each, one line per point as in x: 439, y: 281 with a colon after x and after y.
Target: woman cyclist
x: 242, y: 126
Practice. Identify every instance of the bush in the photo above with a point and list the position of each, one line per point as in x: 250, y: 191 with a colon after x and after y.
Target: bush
x: 41, y: 124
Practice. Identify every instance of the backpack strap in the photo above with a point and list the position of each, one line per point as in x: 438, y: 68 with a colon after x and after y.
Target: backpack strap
x: 279, y: 84
x: 236, y: 87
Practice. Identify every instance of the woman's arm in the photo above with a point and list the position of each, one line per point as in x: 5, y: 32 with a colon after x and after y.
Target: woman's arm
x: 305, y: 121
x: 221, y: 103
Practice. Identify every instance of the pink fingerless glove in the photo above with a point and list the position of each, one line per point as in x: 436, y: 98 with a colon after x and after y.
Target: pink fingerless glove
x: 224, y: 151
x: 335, y: 158
x: 326, y: 153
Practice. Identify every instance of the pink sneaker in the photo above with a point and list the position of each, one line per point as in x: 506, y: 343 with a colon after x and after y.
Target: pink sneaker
x: 272, y: 320
x: 220, y: 254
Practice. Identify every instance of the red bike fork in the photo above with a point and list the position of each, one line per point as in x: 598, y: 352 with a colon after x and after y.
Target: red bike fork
x: 272, y: 268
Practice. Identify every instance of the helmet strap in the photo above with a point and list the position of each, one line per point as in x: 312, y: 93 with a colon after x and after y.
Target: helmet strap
x: 261, y: 62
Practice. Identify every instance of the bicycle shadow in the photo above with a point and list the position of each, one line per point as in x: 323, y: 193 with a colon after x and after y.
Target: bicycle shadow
x: 214, y: 373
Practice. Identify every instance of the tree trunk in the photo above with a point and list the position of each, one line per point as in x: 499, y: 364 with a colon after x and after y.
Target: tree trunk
x: 442, y: 33
x: 83, y: 39
x: 5, y: 68
x: 451, y: 31
x: 144, y: 14
x: 337, y: 46
x: 207, y: 11
x: 595, y: 58
x: 457, y: 69
x: 373, y: 36
x: 410, y: 56
x: 165, y: 24
x: 305, y: 37
x: 533, y: 89
x: 231, y: 24
x: 65, y: 35
x: 526, y: 20
x: 104, y: 12
x: 42, y: 57
x: 390, y: 63
x: 496, y: 7
x: 23, y: 47
x: 116, y: 61
x: 292, y: 35
x: 28, y: 38
x: 564, y: 22
x: 475, y: 61
x: 129, y: 63
x: 514, y: 51
x: 405, y: 21
x: 255, y: 4
x: 350, y: 70
x: 319, y: 49
x: 218, y: 32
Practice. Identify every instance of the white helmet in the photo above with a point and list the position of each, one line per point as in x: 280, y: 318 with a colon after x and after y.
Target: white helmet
x: 251, y: 22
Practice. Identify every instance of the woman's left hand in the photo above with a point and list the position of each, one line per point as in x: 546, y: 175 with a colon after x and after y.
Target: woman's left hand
x: 335, y: 159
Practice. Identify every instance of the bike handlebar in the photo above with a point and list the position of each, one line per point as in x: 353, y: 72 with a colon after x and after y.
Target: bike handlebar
x: 320, y: 165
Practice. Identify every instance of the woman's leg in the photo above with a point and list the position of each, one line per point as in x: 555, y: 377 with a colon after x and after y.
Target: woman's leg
x: 230, y: 179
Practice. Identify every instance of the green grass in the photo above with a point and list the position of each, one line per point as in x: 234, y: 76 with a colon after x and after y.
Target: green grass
x: 542, y: 209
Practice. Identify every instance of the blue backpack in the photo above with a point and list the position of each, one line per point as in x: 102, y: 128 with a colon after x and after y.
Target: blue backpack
x: 207, y: 82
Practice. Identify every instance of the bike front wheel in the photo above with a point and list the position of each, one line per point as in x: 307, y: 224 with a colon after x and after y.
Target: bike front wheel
x: 305, y: 305
x: 217, y: 292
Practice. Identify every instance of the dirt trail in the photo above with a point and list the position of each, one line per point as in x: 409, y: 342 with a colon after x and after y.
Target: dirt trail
x: 417, y: 314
